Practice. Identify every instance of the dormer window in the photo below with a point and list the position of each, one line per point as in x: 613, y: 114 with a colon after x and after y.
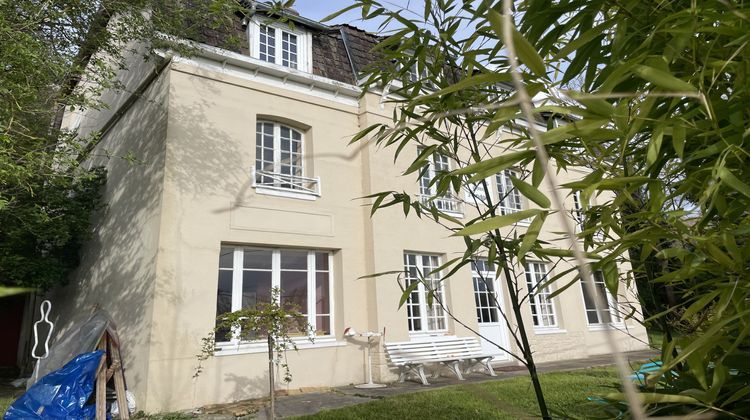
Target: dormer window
x: 280, y: 44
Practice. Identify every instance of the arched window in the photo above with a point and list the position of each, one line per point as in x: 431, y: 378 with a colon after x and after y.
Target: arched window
x: 279, y: 159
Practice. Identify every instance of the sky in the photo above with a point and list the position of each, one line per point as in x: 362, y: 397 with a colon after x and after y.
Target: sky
x: 318, y: 9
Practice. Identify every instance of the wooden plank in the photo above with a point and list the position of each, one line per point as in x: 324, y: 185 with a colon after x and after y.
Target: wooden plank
x: 122, y: 402
x: 101, y: 382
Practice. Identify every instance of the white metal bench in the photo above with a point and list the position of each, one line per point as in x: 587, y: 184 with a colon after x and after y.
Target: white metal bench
x: 449, y: 351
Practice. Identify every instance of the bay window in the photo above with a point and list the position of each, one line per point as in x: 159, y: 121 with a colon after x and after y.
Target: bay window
x: 247, y: 275
x: 421, y: 316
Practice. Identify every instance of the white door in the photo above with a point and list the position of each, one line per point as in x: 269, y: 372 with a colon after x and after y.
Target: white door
x: 487, y: 295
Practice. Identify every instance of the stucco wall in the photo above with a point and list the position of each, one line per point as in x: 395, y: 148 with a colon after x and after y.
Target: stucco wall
x: 117, y: 272
x: 155, y: 257
x: 209, y: 201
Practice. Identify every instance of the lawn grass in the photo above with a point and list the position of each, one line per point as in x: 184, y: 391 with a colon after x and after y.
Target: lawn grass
x: 566, y: 394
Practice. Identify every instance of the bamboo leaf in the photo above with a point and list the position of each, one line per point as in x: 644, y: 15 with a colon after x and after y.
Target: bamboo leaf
x: 497, y: 222
x: 407, y: 292
x: 531, y: 235
x: 530, y: 192
x: 537, y: 173
x: 10, y: 291
x: 339, y: 12
x: 678, y: 139
x: 382, y: 273
x: 496, y: 164
x: 654, y: 146
x: 467, y: 83
x: 663, y: 79
x: 526, y: 52
x: 364, y: 132
x: 729, y: 179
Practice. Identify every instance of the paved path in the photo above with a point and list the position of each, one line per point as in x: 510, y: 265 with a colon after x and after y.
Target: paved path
x: 310, y: 403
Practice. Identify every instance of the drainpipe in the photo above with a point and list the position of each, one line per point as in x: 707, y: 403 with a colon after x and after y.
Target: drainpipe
x: 349, y: 54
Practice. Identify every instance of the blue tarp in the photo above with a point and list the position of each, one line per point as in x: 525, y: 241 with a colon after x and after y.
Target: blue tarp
x: 61, y: 394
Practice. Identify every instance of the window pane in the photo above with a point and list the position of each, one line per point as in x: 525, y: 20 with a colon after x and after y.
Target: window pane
x: 258, y: 259
x: 322, y: 304
x: 256, y: 288
x: 267, y: 42
x: 224, y: 293
x: 289, y: 50
x: 293, y: 260
x: 226, y: 257
x: 321, y: 261
x: 294, y: 290
x: 322, y: 325
x: 587, y: 298
x: 223, y: 302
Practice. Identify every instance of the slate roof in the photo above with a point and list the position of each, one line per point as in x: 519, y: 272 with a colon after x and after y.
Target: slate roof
x: 339, y: 51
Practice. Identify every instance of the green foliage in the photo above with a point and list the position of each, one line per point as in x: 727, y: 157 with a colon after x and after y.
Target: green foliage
x: 661, y: 119
x: 671, y: 86
x: 271, y: 321
x: 63, y: 55
x: 43, y: 229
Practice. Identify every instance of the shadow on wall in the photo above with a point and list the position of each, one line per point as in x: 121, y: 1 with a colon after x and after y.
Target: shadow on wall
x: 117, y: 271
x: 206, y: 164
x: 206, y: 160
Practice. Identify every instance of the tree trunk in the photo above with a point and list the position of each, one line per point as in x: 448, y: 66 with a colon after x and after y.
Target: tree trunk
x: 271, y: 386
x: 527, y: 353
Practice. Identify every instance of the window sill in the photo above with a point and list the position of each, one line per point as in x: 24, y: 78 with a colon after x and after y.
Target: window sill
x: 453, y: 214
x: 286, y: 193
x: 230, y: 349
x: 543, y: 331
x: 525, y: 222
x: 602, y: 327
x: 426, y: 335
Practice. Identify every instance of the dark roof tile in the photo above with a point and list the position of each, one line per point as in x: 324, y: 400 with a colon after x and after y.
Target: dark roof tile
x: 331, y: 57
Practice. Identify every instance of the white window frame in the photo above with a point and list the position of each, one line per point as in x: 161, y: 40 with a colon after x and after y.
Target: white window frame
x: 428, y: 193
x: 578, y: 211
x: 538, y: 298
x: 237, y: 275
x: 284, y: 185
x: 506, y: 198
x: 304, y: 43
x: 422, y: 293
x: 613, y: 305
x: 486, y: 276
x: 478, y: 191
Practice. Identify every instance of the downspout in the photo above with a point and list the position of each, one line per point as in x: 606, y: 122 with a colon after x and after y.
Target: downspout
x: 349, y: 55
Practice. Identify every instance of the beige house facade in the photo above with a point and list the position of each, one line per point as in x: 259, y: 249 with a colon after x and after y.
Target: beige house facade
x: 241, y: 181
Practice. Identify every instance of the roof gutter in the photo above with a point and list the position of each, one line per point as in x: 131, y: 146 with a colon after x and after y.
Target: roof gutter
x: 132, y: 99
